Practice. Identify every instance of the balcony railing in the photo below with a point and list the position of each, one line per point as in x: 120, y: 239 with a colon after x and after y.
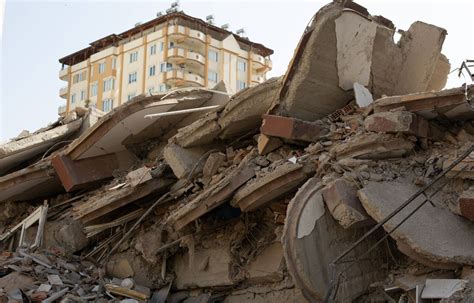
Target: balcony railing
x: 62, y: 110
x: 63, y: 92
x: 182, y: 54
x: 63, y: 73
x: 177, y: 76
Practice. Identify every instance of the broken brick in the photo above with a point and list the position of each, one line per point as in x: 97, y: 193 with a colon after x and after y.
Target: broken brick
x: 291, y: 128
x: 344, y: 205
x: 397, y: 122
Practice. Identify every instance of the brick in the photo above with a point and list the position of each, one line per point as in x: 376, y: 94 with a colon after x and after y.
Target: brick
x: 344, y: 205
x: 77, y: 174
x: 466, y: 204
x: 213, y: 162
x: 267, y: 144
x: 397, y: 122
x: 291, y: 128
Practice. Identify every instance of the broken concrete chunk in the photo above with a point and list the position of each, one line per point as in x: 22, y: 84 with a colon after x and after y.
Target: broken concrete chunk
x: 267, y: 144
x: 373, y: 146
x: 120, y: 269
x: 463, y: 170
x: 397, y: 122
x: 258, y: 192
x: 267, y: 267
x: 342, y: 201
x: 138, y: 176
x: 308, y: 253
x: 216, y: 273
x: 442, y: 288
x: 291, y: 128
x: 54, y: 280
x: 362, y: 95
x: 183, y: 160
x: 432, y: 236
x: 213, y: 162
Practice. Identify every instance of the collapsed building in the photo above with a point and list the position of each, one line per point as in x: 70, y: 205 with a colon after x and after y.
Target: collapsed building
x: 349, y: 179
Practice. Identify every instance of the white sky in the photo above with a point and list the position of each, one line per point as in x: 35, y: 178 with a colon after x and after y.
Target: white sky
x: 37, y: 33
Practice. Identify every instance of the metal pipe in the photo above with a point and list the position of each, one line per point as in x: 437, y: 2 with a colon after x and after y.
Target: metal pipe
x: 179, y: 112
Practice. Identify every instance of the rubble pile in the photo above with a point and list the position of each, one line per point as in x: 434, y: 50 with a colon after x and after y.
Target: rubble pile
x: 339, y: 182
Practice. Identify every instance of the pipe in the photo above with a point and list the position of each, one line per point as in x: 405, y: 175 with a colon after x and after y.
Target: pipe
x: 179, y: 112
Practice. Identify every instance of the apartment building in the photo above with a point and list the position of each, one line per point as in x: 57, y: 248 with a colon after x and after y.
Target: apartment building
x: 173, y: 50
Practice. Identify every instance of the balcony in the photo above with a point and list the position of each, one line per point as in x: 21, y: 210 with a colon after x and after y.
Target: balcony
x: 261, y: 64
x: 63, y: 92
x: 63, y: 73
x: 180, y: 55
x: 62, y: 110
x: 257, y: 79
x: 180, y: 77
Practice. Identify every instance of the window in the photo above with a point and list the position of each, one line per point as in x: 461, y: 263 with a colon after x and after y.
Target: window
x: 132, y: 77
x: 162, y: 46
x: 241, y: 66
x: 212, y: 76
x: 101, y: 67
x: 153, y: 49
x: 78, y: 77
x: 240, y: 85
x: 131, y: 96
x: 73, y: 98
x: 213, y: 56
x: 114, y: 63
x: 133, y: 57
x: 151, y: 71
x: 109, y: 84
x: 94, y: 89
x: 107, y: 105
x: 83, y: 94
x: 171, y: 44
x: 164, y: 87
x: 164, y: 67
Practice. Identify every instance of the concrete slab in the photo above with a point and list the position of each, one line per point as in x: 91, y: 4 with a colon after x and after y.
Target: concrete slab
x: 212, y: 196
x: 201, y: 132
x: 243, y: 112
x: 312, y: 239
x: 432, y: 236
x: 445, y: 104
x: 373, y: 146
x: 256, y: 193
x: 16, y: 152
x: 267, y: 267
x: 342, y: 46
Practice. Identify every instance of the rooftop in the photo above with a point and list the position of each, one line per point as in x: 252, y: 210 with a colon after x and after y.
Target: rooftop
x: 114, y: 39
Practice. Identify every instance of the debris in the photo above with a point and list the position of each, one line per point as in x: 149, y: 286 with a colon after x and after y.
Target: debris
x: 442, y: 288
x: 362, y: 95
x: 129, y: 293
x: 344, y: 205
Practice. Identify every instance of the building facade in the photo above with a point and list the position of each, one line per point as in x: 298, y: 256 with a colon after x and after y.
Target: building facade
x: 174, y: 50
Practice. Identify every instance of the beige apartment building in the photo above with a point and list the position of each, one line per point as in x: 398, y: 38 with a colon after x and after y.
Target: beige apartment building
x: 173, y: 50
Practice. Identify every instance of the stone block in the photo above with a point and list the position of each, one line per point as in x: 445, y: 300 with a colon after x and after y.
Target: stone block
x: 397, y: 122
x: 213, y: 162
x: 344, y: 205
x: 182, y: 160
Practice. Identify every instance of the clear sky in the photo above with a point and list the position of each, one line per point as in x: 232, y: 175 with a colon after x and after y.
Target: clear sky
x: 37, y: 33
